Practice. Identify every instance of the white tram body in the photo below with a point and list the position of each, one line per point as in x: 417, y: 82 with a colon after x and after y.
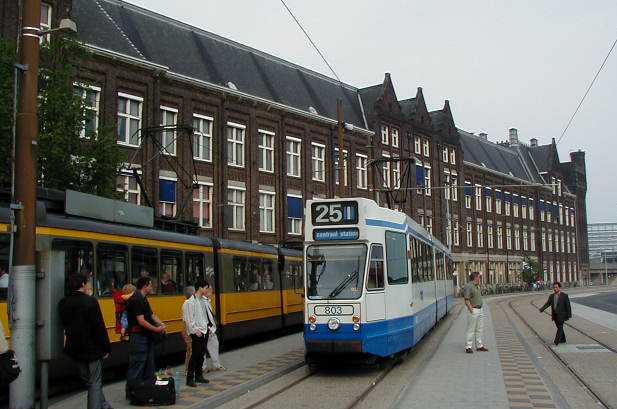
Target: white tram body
x: 376, y: 281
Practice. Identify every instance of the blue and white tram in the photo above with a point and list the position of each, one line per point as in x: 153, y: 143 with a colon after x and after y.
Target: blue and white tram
x: 376, y: 281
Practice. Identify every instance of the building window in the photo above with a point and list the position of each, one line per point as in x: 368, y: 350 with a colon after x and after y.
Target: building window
x: 507, y: 204
x: 336, y: 166
x: 456, y: 233
x: 235, y: 145
x: 318, y: 156
x: 499, y: 237
x: 543, y: 236
x: 169, y: 117
x: 532, y: 240
x: 556, y: 241
x: 384, y: 134
x: 525, y: 240
x: 446, y: 186
x: 478, y: 197
x: 294, y: 147
x: 266, y: 212
x: 361, y: 169
x: 449, y: 233
x: 498, y: 201
x: 549, y: 238
x: 515, y: 206
x: 530, y: 209
x: 129, y: 119
x: 167, y: 197
x: 563, y: 242
x: 396, y: 174
x: 469, y: 235
x: 417, y: 145
x: 128, y: 186
x: 572, y: 218
x: 295, y: 211
x: 90, y: 97
x: 427, y: 179
x: 453, y: 157
x: 524, y: 208
x: 394, y: 136
x: 202, y: 205
x: 427, y: 151
x: 508, y: 237
x: 444, y: 154
x: 489, y: 236
x: 235, y: 199
x: 468, y: 192
x: 266, y: 151
x: 202, y: 137
x: 489, y: 202
x: 558, y: 187
x: 454, y: 185
x: 385, y: 171
x: 45, y: 23
x: 479, y: 234
x: 429, y: 224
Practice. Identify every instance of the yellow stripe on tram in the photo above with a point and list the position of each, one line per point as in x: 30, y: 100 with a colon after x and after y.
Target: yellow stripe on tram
x: 4, y: 228
x: 252, y: 305
x: 247, y: 253
x: 53, y: 231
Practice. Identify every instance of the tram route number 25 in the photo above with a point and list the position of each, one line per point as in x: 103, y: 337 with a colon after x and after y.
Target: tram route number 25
x: 334, y: 213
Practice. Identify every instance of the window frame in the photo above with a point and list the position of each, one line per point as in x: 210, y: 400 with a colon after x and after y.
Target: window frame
x: 234, y: 205
x: 394, y: 137
x: 337, y: 171
x: 385, y: 130
x: 175, y: 204
x: 165, y: 134
x: 383, y: 268
x: 203, y: 119
x: 201, y: 202
x: 127, y: 174
x: 264, y: 150
x: 405, y: 262
x: 127, y: 117
x: 232, y: 139
x: 290, y: 220
x: 318, y: 161
x: 291, y: 157
x: 266, y: 209
x: 84, y: 88
x: 362, y: 172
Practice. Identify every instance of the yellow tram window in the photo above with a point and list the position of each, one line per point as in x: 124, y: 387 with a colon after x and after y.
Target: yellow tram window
x: 172, y: 280
x: 112, y: 272
x: 78, y: 257
x: 144, y: 263
x: 194, y: 267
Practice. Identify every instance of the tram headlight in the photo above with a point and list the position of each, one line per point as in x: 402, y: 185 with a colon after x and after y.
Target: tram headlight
x: 355, y: 319
x: 356, y: 327
x: 312, y: 319
x: 334, y: 324
x: 313, y: 327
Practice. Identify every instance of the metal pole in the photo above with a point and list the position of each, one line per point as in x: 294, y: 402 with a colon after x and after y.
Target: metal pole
x: 22, y: 302
x: 341, y: 155
x: 605, y: 269
x: 44, y: 385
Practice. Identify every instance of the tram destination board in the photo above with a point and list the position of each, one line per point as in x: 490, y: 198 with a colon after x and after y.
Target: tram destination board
x: 346, y: 233
x: 334, y: 213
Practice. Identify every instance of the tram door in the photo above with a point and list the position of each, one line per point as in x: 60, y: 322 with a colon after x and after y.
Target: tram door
x: 375, y: 287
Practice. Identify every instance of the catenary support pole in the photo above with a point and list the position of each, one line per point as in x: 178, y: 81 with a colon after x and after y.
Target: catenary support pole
x: 341, y: 154
x: 23, y: 296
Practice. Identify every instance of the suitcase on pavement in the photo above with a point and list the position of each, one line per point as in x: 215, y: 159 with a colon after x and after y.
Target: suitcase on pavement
x: 156, y: 392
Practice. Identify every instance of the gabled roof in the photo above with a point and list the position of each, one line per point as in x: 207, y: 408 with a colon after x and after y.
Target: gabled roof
x: 408, y: 106
x: 541, y: 156
x: 369, y: 96
x: 124, y: 28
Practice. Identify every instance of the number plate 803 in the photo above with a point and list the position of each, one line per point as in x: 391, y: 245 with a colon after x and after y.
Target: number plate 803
x: 333, y: 310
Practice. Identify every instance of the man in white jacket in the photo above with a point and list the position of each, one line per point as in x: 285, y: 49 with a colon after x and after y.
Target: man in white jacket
x: 213, y: 342
x: 197, y: 325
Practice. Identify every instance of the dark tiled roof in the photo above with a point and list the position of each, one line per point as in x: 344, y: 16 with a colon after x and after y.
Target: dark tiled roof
x: 127, y: 29
x: 369, y: 96
x: 408, y: 106
x: 541, y: 156
x: 487, y: 154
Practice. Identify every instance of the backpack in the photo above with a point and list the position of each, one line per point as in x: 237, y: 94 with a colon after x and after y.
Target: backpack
x: 9, y: 368
x: 153, y: 392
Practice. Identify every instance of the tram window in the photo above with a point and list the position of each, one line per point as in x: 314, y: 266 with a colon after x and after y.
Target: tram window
x: 268, y: 282
x: 144, y: 263
x: 431, y: 267
x: 375, y: 270
x: 415, y: 260
x: 194, y: 267
x: 396, y: 257
x: 255, y: 274
x: 112, y: 272
x: 172, y: 280
x: 78, y: 257
x: 425, y: 257
x: 209, y: 270
x: 4, y: 265
x: 240, y: 270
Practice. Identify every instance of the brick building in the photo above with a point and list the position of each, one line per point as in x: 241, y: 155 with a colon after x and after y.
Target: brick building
x: 264, y: 140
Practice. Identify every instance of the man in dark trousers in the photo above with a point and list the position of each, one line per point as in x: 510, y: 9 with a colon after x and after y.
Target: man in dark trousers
x: 198, y: 325
x: 87, y: 342
x: 560, y: 311
x: 143, y: 324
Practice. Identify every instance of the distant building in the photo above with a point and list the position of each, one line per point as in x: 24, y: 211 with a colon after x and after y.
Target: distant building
x: 602, y: 251
x: 265, y: 141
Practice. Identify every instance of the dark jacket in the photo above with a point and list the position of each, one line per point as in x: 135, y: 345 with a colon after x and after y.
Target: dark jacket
x: 562, y: 311
x: 82, y: 320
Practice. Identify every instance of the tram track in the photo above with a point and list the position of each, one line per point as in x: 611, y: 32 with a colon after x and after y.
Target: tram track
x: 579, y: 377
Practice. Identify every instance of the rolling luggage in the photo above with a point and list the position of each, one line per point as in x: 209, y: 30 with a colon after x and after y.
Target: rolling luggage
x: 156, y: 392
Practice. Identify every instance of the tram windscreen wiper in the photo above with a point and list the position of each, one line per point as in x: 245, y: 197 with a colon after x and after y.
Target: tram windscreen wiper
x: 343, y: 284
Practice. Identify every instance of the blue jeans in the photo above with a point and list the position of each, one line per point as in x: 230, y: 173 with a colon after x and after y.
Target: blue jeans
x: 141, y: 359
x: 92, y: 374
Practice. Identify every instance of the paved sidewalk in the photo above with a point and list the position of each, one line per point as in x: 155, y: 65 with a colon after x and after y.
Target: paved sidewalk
x: 247, y: 368
x: 454, y: 379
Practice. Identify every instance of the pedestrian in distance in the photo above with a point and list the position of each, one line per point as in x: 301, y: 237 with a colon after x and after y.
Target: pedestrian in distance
x: 213, y: 341
x: 188, y: 293
x: 197, y: 324
x: 560, y: 311
x: 475, y: 316
x: 143, y: 325
x: 87, y: 342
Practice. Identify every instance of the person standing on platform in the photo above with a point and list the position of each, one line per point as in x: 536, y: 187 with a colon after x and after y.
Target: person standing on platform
x: 560, y: 311
x: 188, y: 294
x: 87, y: 341
x: 143, y: 324
x: 213, y: 341
x: 475, y: 316
x: 196, y: 321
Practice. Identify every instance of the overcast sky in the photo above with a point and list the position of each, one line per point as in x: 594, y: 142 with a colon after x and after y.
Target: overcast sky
x: 502, y: 64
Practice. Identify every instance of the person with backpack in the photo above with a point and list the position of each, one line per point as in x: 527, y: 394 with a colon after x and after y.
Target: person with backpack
x: 143, y: 325
x: 87, y: 341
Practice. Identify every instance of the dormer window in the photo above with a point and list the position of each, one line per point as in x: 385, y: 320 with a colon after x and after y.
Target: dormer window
x: 384, y: 135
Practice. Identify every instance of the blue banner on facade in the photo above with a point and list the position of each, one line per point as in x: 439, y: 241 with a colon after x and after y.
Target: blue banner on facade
x: 349, y: 233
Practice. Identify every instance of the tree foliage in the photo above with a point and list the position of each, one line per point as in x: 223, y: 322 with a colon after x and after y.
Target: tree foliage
x: 66, y: 160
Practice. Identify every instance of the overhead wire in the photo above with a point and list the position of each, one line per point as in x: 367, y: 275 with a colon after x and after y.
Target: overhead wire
x: 587, y: 92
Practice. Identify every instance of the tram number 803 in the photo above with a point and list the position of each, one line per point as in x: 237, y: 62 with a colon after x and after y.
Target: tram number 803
x: 333, y: 310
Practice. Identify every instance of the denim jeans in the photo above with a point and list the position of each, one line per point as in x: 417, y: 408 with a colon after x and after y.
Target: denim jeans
x: 92, y: 374
x: 141, y: 359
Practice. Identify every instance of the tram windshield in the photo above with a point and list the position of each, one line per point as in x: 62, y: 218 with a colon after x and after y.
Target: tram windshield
x: 335, y: 272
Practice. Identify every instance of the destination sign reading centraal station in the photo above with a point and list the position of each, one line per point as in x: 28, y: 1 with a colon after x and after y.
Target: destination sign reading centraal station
x: 331, y: 213
x: 347, y: 233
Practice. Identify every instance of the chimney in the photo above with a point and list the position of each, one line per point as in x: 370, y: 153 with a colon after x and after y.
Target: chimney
x: 483, y: 136
x: 533, y: 142
x: 513, y: 137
